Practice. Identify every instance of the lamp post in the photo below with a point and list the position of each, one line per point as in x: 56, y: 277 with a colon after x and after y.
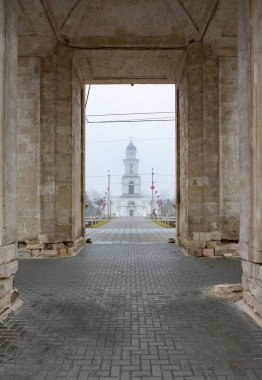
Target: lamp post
x: 152, y: 196
x: 108, y: 198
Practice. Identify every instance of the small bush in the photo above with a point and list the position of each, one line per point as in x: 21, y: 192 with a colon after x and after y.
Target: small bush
x: 99, y: 224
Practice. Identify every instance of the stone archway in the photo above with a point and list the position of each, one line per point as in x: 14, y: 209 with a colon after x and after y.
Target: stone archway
x: 191, y: 46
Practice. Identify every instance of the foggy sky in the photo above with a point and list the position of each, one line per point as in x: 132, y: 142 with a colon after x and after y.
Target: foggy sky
x: 106, y: 143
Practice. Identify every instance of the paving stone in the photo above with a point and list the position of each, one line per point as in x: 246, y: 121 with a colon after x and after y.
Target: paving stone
x: 130, y: 231
x: 128, y: 311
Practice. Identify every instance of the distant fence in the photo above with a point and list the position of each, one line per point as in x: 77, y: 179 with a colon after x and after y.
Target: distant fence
x: 90, y: 221
x: 168, y: 220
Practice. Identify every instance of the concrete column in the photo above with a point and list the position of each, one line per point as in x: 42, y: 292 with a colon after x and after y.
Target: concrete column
x: 199, y: 221
x: 229, y: 149
x: 211, y: 220
x: 28, y: 149
x: 57, y: 185
x: 250, y: 105
x: 83, y: 183
x: 8, y: 70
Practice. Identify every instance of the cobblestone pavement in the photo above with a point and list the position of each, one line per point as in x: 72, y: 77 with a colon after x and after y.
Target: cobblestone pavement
x: 128, y: 312
x: 130, y: 231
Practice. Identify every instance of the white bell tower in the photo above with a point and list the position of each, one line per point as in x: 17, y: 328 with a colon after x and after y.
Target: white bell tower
x: 131, y: 182
x: 131, y: 202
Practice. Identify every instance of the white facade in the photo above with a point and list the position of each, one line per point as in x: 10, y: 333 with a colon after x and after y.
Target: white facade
x: 131, y: 202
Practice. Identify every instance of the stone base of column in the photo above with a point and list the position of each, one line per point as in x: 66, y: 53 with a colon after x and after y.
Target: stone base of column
x: 252, y: 285
x: 57, y: 249
x: 8, y: 267
x: 207, y: 244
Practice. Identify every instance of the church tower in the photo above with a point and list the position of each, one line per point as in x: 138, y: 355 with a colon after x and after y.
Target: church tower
x: 131, y: 182
x: 131, y: 202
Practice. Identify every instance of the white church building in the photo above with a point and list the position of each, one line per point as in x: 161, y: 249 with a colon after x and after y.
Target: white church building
x: 131, y: 202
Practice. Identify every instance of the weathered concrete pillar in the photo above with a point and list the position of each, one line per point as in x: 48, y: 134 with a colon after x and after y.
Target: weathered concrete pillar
x: 198, y: 124
x: 8, y: 68
x: 28, y: 149
x: 200, y: 224
x: 229, y: 149
x: 250, y: 105
x: 53, y: 224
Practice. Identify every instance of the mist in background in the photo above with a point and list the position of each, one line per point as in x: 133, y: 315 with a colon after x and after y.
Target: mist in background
x: 108, y: 136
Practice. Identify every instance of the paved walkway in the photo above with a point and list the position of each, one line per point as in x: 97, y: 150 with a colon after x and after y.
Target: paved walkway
x: 132, y: 230
x: 128, y: 312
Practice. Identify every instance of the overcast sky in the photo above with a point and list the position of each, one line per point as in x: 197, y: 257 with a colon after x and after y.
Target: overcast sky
x: 106, y: 142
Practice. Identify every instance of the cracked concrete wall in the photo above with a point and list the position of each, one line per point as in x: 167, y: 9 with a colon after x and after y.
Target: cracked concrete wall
x: 8, y: 93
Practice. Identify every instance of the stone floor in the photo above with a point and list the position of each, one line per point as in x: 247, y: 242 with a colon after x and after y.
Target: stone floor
x: 130, y: 231
x: 129, y: 311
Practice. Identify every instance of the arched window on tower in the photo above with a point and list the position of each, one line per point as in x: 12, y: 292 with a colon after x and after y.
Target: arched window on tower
x: 131, y: 187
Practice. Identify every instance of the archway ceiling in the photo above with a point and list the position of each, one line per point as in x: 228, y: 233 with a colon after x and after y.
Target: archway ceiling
x: 105, y: 32
x: 124, y: 23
